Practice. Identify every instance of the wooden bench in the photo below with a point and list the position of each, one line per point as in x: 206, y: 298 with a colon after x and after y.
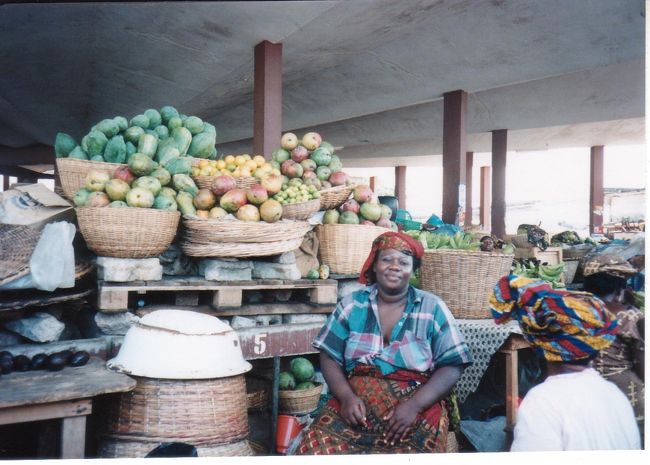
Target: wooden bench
x: 66, y: 394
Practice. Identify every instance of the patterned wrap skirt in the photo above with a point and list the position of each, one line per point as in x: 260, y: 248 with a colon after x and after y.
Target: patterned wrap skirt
x: 330, y: 434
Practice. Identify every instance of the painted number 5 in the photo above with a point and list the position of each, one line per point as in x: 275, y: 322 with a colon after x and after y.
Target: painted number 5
x: 259, y: 346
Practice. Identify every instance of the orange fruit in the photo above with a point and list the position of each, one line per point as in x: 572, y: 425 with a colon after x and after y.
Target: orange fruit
x: 259, y: 160
x: 229, y: 160
x: 202, y: 213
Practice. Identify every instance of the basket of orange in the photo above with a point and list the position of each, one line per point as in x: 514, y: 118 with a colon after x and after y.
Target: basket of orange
x: 245, y: 169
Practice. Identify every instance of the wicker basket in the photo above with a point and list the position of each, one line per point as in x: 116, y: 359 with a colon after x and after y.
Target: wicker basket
x: 17, y: 243
x: 257, y: 393
x: 239, y: 249
x: 521, y: 241
x: 577, y: 251
x: 300, y: 211
x: 299, y: 402
x: 345, y: 247
x: 205, y: 230
x: 463, y: 279
x: 199, y: 412
x: 242, y: 182
x: 334, y: 196
x: 127, y: 232
x: 117, y: 448
x: 72, y: 173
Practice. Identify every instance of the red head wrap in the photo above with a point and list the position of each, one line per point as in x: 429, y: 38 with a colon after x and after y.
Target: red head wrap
x: 390, y: 240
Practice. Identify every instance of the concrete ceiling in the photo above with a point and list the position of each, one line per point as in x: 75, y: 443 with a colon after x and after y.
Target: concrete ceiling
x: 368, y: 75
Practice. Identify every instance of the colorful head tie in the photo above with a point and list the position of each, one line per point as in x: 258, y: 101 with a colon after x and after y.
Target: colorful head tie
x: 562, y: 326
x: 389, y: 240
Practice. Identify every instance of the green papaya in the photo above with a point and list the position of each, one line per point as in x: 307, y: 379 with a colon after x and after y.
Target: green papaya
x: 130, y: 150
x: 202, y: 144
x: 167, y: 113
x: 207, y: 127
x: 63, y: 144
x: 194, y: 124
x: 182, y: 182
x: 184, y: 201
x: 140, y: 120
x: 122, y: 123
x: 108, y: 127
x: 164, y: 145
x: 183, y: 138
x: 97, y: 158
x: 179, y: 165
x: 162, y: 131
x: 148, y: 144
x: 168, y: 156
x: 95, y: 143
x: 141, y: 165
x: 133, y: 134
x: 154, y: 118
x: 78, y: 153
x: 174, y: 122
x: 115, y: 151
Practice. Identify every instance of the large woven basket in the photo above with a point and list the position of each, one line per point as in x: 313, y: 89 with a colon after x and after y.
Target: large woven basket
x: 117, y: 448
x: 198, y: 412
x: 334, y: 196
x: 17, y: 243
x: 127, y: 232
x: 240, y: 239
x: 299, y: 402
x: 72, y: 173
x: 257, y: 393
x: 345, y: 247
x: 463, y: 279
x: 300, y: 211
x: 242, y: 182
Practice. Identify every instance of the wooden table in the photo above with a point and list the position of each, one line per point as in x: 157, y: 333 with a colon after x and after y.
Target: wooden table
x: 66, y: 394
x: 510, y: 348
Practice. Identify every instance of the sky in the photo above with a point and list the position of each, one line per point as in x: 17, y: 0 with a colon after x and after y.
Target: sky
x: 555, y: 181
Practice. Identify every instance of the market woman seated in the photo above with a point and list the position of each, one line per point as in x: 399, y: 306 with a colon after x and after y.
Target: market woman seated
x: 390, y: 354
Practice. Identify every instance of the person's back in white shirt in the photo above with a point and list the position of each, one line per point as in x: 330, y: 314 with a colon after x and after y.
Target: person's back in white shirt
x: 575, y: 411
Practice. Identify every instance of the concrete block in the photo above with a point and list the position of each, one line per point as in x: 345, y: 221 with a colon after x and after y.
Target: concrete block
x: 123, y: 270
x: 226, y: 269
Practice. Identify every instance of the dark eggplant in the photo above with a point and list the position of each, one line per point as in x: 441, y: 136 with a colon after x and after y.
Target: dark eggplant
x: 56, y: 362
x: 39, y: 362
x: 66, y: 354
x: 6, y: 365
x: 5, y: 354
x: 21, y: 363
x: 79, y: 359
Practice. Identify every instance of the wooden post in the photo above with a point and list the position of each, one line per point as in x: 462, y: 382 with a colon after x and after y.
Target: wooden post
x: 596, y: 189
x: 373, y: 181
x: 400, y: 186
x: 486, y: 198
x: 469, y: 160
x: 453, y: 156
x: 267, y: 98
x: 499, y: 151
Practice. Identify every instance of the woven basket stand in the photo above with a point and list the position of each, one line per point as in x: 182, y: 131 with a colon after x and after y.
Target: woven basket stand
x: 463, y: 279
x: 345, y: 247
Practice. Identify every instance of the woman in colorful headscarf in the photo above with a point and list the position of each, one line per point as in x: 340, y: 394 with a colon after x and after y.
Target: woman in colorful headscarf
x: 574, y: 408
x: 390, y: 354
x: 623, y: 362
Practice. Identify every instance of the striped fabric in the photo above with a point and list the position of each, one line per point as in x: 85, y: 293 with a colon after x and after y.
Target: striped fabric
x: 562, y: 326
x: 424, y: 339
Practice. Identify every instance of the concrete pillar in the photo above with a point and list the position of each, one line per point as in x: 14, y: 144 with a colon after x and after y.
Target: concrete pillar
x: 486, y: 198
x: 267, y: 98
x: 499, y: 155
x: 469, y: 164
x: 400, y: 186
x: 596, y: 188
x: 454, y: 140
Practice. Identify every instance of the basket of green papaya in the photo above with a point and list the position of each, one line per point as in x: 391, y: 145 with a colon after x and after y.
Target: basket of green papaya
x: 166, y: 136
x: 299, y: 393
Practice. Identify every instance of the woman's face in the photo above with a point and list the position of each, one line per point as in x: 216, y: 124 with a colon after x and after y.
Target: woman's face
x: 393, y: 269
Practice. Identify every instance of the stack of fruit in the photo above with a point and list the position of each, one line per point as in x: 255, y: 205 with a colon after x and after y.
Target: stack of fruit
x: 296, y: 191
x: 300, y: 375
x: 532, y: 268
x: 224, y: 197
x: 362, y: 208
x: 238, y: 166
x: 165, y: 136
x: 310, y: 159
x: 142, y: 183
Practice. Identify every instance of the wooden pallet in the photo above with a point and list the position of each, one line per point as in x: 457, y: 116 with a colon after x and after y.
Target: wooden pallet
x: 224, y: 294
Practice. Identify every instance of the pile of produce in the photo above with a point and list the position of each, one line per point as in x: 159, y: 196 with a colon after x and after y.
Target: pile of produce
x: 165, y: 136
x: 310, y: 159
x: 536, y: 235
x: 570, y: 238
x: 362, y: 208
x: 432, y: 240
x: 300, y: 375
x: 295, y: 190
x: 237, y: 166
x: 143, y: 183
x: 532, y: 268
x: 52, y: 362
x: 322, y: 272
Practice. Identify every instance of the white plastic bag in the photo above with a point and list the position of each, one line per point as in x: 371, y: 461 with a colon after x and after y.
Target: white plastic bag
x: 52, y: 262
